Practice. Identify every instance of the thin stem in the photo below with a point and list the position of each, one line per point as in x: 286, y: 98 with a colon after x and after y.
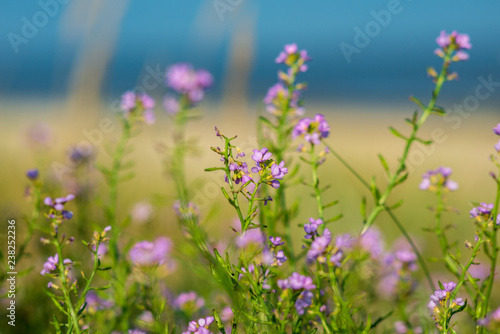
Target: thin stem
x: 394, y: 178
x: 494, y: 254
x: 315, y: 182
x: 400, y: 226
x: 64, y: 287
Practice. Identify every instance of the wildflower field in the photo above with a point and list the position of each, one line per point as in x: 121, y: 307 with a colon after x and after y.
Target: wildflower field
x: 192, y: 227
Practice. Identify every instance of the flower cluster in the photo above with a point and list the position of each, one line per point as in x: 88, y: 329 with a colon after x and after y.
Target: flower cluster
x: 186, y: 211
x: 189, y: 302
x: 58, y: 206
x: 277, y: 256
x: 438, y: 179
x: 189, y: 83
x: 441, y: 302
x: 318, y: 247
x: 268, y: 170
x: 299, y: 282
x: 200, y: 327
x: 311, y: 228
x: 312, y: 129
x: 484, y: 212
x: 456, y: 41
x: 284, y: 97
x: 148, y: 254
x: 138, y: 106
x: 342, y: 243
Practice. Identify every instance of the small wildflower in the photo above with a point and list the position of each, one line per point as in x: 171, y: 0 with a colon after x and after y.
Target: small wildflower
x: 440, y: 177
x: 32, y: 174
x: 50, y: 265
x: 189, y: 302
x: 312, y: 129
x: 303, y: 301
x: 276, y: 241
x: 496, y: 129
x: 146, y: 253
x: 312, y: 227
x: 138, y: 106
x: 297, y: 282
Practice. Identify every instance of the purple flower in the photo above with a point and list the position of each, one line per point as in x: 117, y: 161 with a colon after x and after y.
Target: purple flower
x: 189, y: 301
x: 484, y: 211
x: 200, y: 327
x: 32, y: 174
x: 185, y: 80
x: 497, y: 146
x: 372, y: 242
x: 186, y: 211
x: 138, y: 102
x: 261, y: 156
x: 297, y: 282
x: 304, y: 300
x: 145, y: 253
x: 443, y: 40
x: 496, y: 129
x: 450, y: 286
x: 135, y: 331
x: 96, y: 303
x: 141, y: 212
x: 50, y: 265
x: 276, y: 241
x: 439, y: 177
x: 336, y: 258
x: 400, y: 327
x: 279, y: 171
x: 318, y: 246
x: 312, y: 227
x: 345, y: 241
x: 171, y: 105
x: 312, y: 129
x: 459, y: 302
x: 253, y: 236
x: 462, y: 40
x: 291, y: 56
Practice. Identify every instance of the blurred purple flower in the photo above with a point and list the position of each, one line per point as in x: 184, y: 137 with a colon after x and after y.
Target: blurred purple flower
x: 372, y: 242
x: 318, y: 246
x: 304, y: 300
x: 189, y: 301
x: 439, y: 177
x: 32, y: 174
x: 484, y: 211
x: 297, y: 282
x: 171, y: 105
x: 96, y: 303
x: 312, y: 227
x: 185, y: 80
x: 496, y: 129
x: 201, y: 326
x: 145, y: 253
x: 253, y: 236
x: 141, y: 212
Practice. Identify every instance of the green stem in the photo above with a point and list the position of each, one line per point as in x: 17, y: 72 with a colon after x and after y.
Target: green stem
x: 315, y: 183
x: 393, y: 180
x: 73, y: 318
x: 400, y: 226
x: 114, y: 180
x: 494, y: 254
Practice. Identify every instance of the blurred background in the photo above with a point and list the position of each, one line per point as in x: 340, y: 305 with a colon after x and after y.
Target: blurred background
x: 64, y: 65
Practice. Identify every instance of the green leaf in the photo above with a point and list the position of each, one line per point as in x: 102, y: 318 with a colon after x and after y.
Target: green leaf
x: 374, y: 189
x: 425, y: 142
x: 218, y: 320
x: 363, y: 208
x: 417, y: 102
x: 267, y: 122
x: 396, y: 133
x: 330, y: 204
x: 212, y: 169
x: 438, y: 111
x: 384, y: 163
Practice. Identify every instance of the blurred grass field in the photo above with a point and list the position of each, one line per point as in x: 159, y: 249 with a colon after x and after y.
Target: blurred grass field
x: 357, y: 135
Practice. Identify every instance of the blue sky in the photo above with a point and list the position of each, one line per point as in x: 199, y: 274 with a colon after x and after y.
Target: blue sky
x: 161, y: 32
